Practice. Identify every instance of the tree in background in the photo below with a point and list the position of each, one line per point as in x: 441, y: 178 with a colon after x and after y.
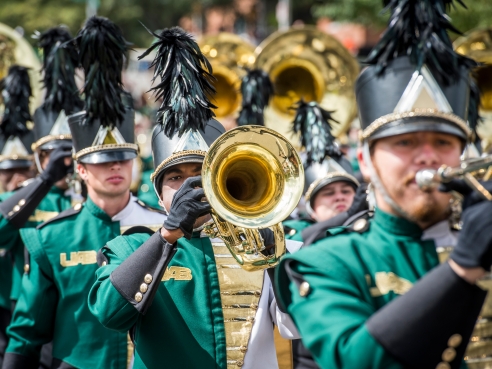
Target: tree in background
x: 368, y: 12
x: 256, y: 18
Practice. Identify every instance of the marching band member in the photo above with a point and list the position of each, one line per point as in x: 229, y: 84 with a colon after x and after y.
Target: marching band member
x: 185, y: 300
x: 16, y: 167
x: 330, y: 189
x: 374, y: 295
x: 62, y: 251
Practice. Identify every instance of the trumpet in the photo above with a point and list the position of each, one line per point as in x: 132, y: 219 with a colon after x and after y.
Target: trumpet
x: 468, y: 170
x: 253, y: 178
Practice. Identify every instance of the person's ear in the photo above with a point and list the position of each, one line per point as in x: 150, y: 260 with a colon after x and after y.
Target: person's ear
x: 362, y: 165
x: 82, y: 170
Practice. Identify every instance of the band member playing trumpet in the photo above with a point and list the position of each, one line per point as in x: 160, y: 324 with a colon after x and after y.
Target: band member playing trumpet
x: 182, y: 295
x: 374, y: 295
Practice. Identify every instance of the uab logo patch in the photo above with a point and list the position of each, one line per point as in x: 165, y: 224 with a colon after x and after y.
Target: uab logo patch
x: 178, y: 274
x: 78, y: 257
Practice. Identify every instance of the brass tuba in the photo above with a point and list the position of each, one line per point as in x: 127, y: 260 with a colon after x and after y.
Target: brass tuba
x: 14, y: 49
x: 305, y: 63
x: 229, y: 56
x: 477, y: 45
x: 253, y: 178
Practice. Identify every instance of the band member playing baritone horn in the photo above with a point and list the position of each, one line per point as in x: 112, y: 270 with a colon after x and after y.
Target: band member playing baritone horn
x: 185, y: 299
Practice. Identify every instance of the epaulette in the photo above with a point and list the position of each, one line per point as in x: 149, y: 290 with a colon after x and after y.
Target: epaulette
x: 359, y: 222
x: 289, y: 230
x: 150, y: 208
x: 64, y: 214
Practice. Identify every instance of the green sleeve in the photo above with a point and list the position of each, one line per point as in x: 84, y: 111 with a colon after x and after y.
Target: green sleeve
x: 105, y: 302
x: 10, y: 234
x: 34, y: 315
x: 331, y: 320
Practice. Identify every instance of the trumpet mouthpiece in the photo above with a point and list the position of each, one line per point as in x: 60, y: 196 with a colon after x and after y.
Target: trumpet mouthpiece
x: 426, y: 179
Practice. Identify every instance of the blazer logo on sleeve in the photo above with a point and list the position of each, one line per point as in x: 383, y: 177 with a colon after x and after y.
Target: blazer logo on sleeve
x: 78, y: 257
x: 387, y: 282
x: 177, y: 273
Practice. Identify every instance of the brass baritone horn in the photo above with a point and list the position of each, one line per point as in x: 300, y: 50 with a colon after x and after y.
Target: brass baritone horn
x: 430, y: 178
x: 229, y: 56
x: 253, y: 178
x: 306, y: 63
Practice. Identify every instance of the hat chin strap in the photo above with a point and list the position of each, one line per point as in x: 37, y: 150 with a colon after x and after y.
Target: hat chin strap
x: 38, y: 162
x: 376, y: 181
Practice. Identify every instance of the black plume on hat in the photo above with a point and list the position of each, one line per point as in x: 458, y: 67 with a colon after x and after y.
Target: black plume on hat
x: 102, y: 50
x: 16, y: 96
x: 418, y: 29
x: 313, y: 123
x: 256, y: 90
x: 186, y: 82
x: 60, y: 61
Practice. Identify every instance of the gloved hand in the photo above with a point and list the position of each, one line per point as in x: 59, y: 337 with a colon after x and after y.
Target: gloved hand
x: 360, y: 202
x: 470, y: 196
x: 187, y: 206
x: 56, y: 168
x: 474, y: 248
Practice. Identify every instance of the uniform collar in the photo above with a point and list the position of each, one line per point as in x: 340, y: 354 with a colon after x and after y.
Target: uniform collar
x: 127, y: 210
x: 57, y: 191
x: 396, y: 225
x: 96, y: 210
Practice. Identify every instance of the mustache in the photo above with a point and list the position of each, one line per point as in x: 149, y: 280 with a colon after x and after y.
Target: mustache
x: 409, y: 178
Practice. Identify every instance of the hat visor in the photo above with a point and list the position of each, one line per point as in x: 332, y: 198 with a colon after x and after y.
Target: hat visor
x: 51, y: 145
x: 108, y: 156
x: 15, y: 164
x: 419, y: 124
x: 178, y: 160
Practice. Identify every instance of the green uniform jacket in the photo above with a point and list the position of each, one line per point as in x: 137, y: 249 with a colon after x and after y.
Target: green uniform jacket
x: 53, y: 302
x: 350, y: 276
x: 52, y: 204
x: 293, y: 228
x: 184, y: 326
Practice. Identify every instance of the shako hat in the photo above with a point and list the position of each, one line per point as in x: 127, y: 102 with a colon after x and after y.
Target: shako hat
x: 185, y: 126
x: 415, y: 80
x: 15, y: 137
x: 323, y: 162
x: 62, y: 99
x: 104, y: 130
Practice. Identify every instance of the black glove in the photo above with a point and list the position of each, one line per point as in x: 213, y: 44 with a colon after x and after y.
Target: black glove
x: 470, y: 196
x: 187, y: 206
x: 474, y: 248
x: 360, y: 200
x: 56, y: 168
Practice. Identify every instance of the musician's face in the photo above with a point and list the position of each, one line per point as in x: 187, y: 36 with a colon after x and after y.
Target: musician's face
x: 11, y: 179
x: 172, y: 181
x: 397, y: 159
x: 332, y: 200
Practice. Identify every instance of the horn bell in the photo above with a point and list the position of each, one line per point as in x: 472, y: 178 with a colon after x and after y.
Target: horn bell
x: 305, y: 63
x: 14, y: 49
x: 229, y: 55
x: 253, y: 178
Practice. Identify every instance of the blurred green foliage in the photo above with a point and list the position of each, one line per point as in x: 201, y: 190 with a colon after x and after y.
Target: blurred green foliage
x: 369, y: 12
x: 40, y: 15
